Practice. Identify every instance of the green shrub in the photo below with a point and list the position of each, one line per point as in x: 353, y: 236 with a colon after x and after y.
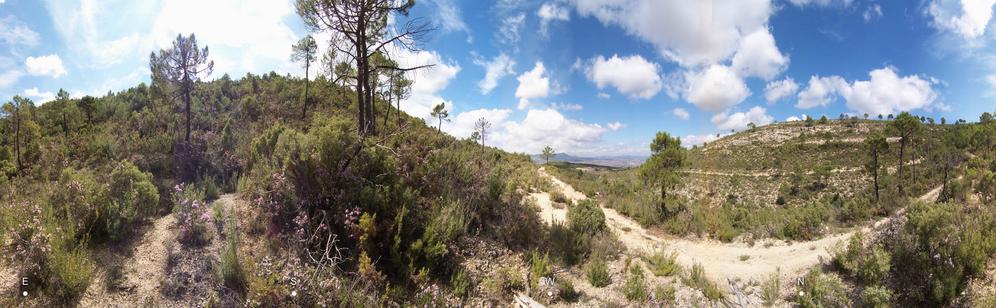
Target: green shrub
x: 876, y: 297
x: 461, y: 284
x: 664, y: 296
x: 567, y: 245
x: 210, y: 189
x: 939, y: 248
x: 823, y: 290
x: 874, y: 266
x: 78, y: 200
x: 635, y: 288
x: 586, y: 217
x: 539, y: 267
x: 559, y: 197
x: 598, y: 273
x: 663, y: 264
x: 131, y: 197
x: 696, y: 279
x: 231, y: 269
x: 447, y: 224
x: 566, y: 290
x: 605, y: 245
x: 71, y: 271
x: 507, y: 279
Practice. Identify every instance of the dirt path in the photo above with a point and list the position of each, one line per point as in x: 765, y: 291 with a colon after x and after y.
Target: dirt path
x: 141, y: 273
x: 721, y: 260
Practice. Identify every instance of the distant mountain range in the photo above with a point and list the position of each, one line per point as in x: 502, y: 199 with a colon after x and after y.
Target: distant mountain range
x: 621, y: 161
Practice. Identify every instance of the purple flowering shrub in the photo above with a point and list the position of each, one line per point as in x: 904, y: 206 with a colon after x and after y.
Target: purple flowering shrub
x: 28, y: 245
x: 192, y: 215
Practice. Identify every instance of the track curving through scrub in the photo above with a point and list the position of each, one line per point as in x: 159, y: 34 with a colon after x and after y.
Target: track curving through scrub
x: 721, y: 261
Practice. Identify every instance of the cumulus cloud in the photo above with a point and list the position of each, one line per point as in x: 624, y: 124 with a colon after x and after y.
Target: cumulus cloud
x: 462, y: 125
x: 759, y: 57
x: 494, y: 70
x: 820, y: 91
x: 680, y: 113
x: 777, y: 90
x: 739, y: 120
x: 697, y: 140
x: 688, y: 32
x: 532, y: 85
x: 793, y: 119
x: 550, y: 12
x: 633, y: 76
x: 39, y: 96
x: 50, y: 65
x: 966, y: 18
x: 614, y: 126
x: 884, y: 93
x: 427, y: 82
x: 604, y: 95
x: 717, y: 88
x: 543, y: 127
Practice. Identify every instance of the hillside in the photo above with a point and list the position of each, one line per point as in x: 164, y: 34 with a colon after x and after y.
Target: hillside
x: 620, y: 161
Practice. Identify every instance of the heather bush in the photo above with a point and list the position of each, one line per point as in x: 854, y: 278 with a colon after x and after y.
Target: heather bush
x: 539, y: 267
x: 597, y: 273
x: 876, y: 297
x: 192, y: 216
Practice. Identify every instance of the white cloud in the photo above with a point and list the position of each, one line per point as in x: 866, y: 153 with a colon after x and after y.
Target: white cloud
x: 820, y: 91
x: 717, y: 88
x: 793, y: 119
x: 872, y: 12
x: 759, y: 57
x: 884, y: 93
x: 739, y: 120
x: 50, y: 65
x: 462, y: 125
x: 603, y: 95
x: 779, y: 89
x: 680, y: 113
x: 967, y: 18
x: 449, y: 15
x: 508, y: 32
x: 427, y: 82
x: 567, y: 107
x: 697, y: 140
x: 615, y: 126
x: 496, y: 69
x: 821, y: 3
x: 548, y: 127
x: 633, y: 75
x: 9, y: 78
x: 14, y: 32
x: 688, y: 32
x: 550, y: 12
x: 38, y: 96
x: 532, y: 84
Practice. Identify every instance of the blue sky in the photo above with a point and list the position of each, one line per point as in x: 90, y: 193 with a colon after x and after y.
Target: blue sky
x: 588, y: 77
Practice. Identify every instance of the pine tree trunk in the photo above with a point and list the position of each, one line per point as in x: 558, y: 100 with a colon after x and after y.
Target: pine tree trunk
x: 304, y: 110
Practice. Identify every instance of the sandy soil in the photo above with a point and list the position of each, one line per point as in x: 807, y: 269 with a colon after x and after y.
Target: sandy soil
x: 721, y: 260
x: 141, y: 273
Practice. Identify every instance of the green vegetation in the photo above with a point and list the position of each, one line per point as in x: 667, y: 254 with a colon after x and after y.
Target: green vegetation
x: 662, y: 264
x: 823, y: 290
x: 597, y: 273
x: 771, y: 289
x: 696, y: 279
x: 635, y: 288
